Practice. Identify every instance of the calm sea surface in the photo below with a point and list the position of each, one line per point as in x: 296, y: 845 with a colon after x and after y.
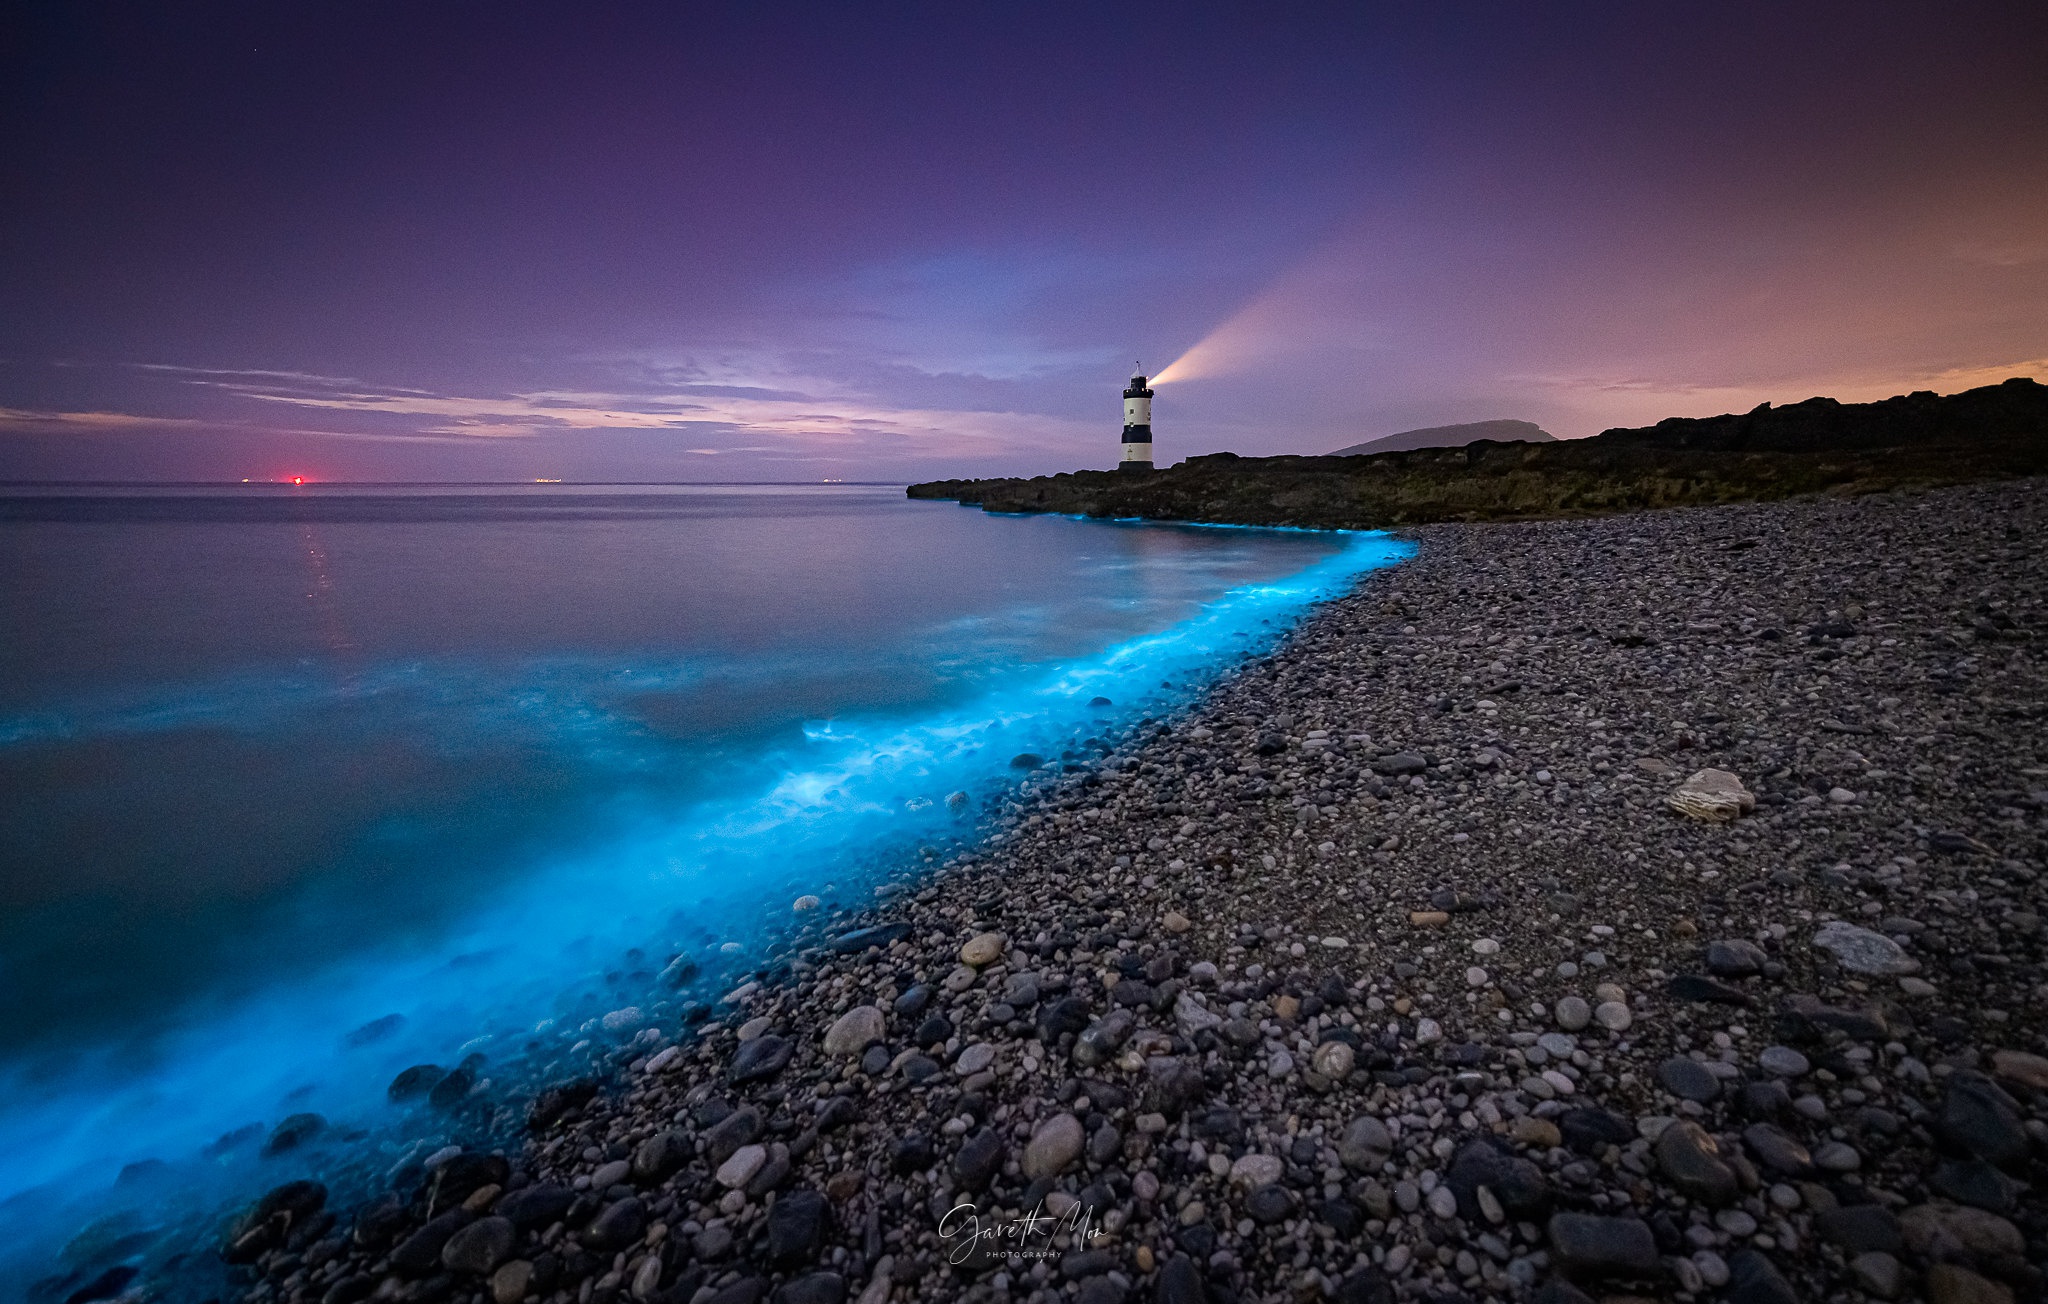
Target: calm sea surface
x: 466, y: 766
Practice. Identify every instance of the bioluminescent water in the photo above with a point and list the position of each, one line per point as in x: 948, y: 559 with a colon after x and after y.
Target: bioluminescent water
x: 300, y: 788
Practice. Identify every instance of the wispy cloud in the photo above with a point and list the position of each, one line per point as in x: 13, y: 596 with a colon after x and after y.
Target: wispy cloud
x: 758, y: 408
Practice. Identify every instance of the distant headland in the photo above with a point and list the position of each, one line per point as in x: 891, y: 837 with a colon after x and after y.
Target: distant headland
x: 1471, y: 432
x: 1991, y: 433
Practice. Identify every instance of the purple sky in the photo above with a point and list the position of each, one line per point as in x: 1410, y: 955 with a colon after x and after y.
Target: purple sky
x: 677, y: 242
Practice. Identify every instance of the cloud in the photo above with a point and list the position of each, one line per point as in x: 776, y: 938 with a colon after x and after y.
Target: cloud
x: 772, y: 409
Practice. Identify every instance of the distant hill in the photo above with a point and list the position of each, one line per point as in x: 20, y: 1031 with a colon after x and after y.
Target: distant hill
x: 1501, y: 432
x: 1997, y: 432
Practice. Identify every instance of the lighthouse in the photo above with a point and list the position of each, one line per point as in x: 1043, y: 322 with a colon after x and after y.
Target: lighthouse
x: 1137, y: 426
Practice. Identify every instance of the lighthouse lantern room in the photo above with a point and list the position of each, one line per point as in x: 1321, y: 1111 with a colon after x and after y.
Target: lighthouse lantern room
x: 1137, y: 425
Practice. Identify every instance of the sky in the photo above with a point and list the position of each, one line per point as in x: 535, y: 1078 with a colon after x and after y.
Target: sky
x: 693, y: 242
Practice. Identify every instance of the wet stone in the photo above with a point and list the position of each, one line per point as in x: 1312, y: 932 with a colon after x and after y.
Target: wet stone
x: 1776, y: 1150
x: 1688, y: 1079
x: 761, y: 1058
x: 1735, y: 958
x: 1857, y: 1228
x: 1700, y: 988
x: 1590, y: 1245
x: 1691, y: 1160
x: 480, y: 1247
x: 1268, y: 1205
x: 1979, y: 1118
x: 1783, y: 1061
x: 797, y: 1224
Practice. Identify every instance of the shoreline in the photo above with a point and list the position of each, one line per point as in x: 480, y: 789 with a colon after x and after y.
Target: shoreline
x: 1357, y: 1072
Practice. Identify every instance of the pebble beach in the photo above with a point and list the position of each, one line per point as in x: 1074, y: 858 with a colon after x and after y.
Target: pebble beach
x: 1390, y: 970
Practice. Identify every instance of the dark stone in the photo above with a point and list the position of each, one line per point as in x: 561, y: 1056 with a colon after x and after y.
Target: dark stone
x: 1269, y: 1205
x: 1978, y: 1118
x: 1067, y: 1014
x: 533, y: 1208
x: 558, y: 1100
x: 1591, y: 1130
x: 730, y: 1133
x: 796, y: 1227
x: 420, y: 1253
x: 1860, y: 1228
x: 979, y: 1160
x: 1754, y: 1279
x: 1735, y: 958
x: 1180, y: 1282
x: 1691, y: 1161
x: 747, y: 1290
x: 1517, y: 1183
x: 1082, y: 1264
x: 293, y: 1133
x: 1807, y: 1018
x: 351, y: 1290
x: 1766, y: 1101
x: 1777, y: 1150
x: 835, y: 1112
x: 1688, y: 1079
x: 1343, y: 1217
x: 1699, y: 987
x: 1590, y: 1245
x: 1977, y: 1183
x: 1397, y: 764
x: 860, y: 939
x: 415, y: 1082
x: 874, y: 1062
x: 1368, y: 1285
x: 1100, y: 1290
x: 932, y: 1032
x: 762, y: 1058
x: 912, y: 1003
x: 921, y: 1068
x: 454, y: 1180
x: 282, y: 1210
x: 1198, y: 1240
x: 1172, y: 1084
x: 379, y: 1223
x: 813, y: 1288
x: 622, y: 1223
x: 480, y: 1247
x: 912, y: 1153
x: 1559, y: 1291
x: 658, y: 1156
x: 453, y: 1089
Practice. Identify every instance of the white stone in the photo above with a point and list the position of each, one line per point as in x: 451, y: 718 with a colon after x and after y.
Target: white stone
x: 1255, y: 1170
x: 740, y: 1169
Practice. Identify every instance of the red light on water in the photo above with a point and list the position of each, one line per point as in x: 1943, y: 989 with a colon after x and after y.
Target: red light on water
x: 298, y: 479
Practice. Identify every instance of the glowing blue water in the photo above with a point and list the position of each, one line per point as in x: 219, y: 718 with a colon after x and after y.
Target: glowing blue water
x: 809, y: 751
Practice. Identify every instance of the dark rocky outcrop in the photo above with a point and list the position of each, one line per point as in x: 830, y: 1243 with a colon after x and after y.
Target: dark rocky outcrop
x: 1995, y: 432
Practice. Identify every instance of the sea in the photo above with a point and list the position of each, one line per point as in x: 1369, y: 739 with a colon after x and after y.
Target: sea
x: 304, y: 785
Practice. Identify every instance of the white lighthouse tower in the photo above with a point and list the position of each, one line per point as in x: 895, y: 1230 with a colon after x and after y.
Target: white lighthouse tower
x: 1137, y: 425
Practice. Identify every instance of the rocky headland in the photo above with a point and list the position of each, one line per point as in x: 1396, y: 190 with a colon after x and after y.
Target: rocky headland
x: 1390, y: 971
x: 1914, y: 440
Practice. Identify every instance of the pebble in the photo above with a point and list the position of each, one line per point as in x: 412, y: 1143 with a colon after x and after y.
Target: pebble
x: 1783, y: 1062
x: 1613, y: 1016
x: 1055, y: 1144
x: 741, y: 1168
x: 982, y: 949
x: 854, y: 1031
x: 1861, y: 951
x: 1573, y: 1013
